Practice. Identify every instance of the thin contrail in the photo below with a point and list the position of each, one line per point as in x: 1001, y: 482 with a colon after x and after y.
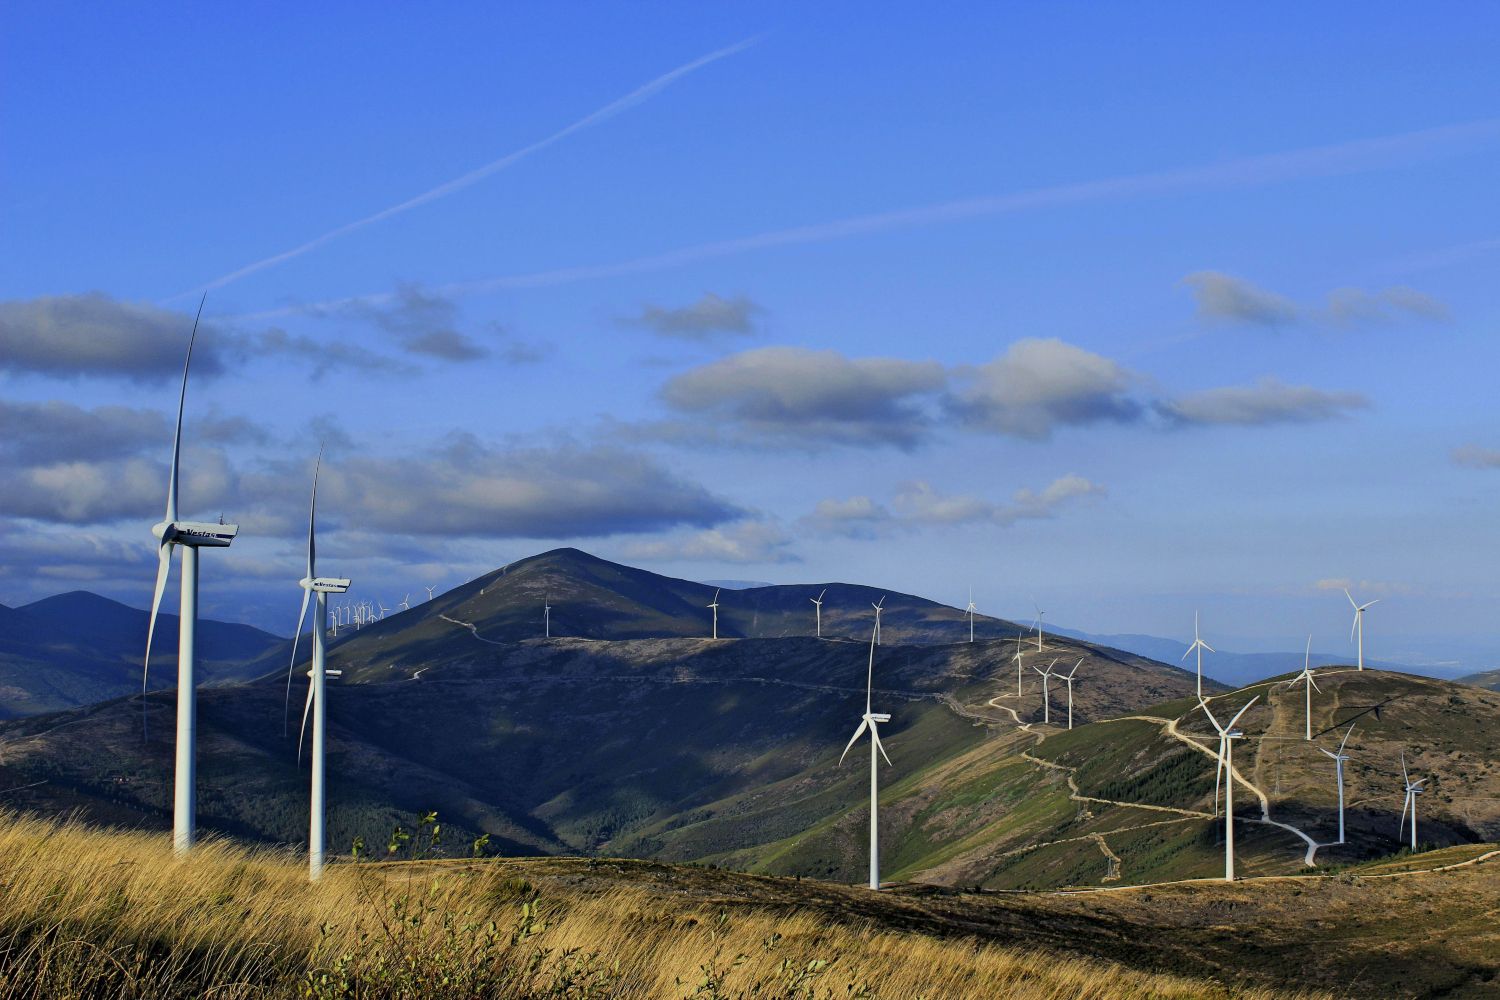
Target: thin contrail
x: 1246, y: 172
x: 603, y: 114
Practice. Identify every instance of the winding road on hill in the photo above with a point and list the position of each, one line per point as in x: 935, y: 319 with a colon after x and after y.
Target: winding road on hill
x: 1169, y: 727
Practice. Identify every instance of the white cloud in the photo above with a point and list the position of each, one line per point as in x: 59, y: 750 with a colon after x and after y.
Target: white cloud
x: 1222, y: 296
x: 1268, y: 401
x: 1039, y: 385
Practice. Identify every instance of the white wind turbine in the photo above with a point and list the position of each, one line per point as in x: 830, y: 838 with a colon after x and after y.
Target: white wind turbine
x: 1067, y: 678
x: 189, y: 536
x: 1020, y: 641
x: 429, y: 592
x: 1413, y: 789
x: 1311, y: 685
x: 383, y: 610
x: 970, y: 612
x: 1046, y: 701
x: 818, y: 610
x: 870, y: 721
x: 318, y: 675
x: 1227, y: 735
x: 547, y: 616
x: 879, y: 607
x: 1339, y: 757
x: 715, y: 608
x: 1199, y: 646
x: 1359, y: 624
x: 1036, y: 623
x: 405, y: 604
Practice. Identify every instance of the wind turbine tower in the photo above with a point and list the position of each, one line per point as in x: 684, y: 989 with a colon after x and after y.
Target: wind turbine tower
x: 547, y: 616
x: 1311, y: 686
x: 1358, y: 628
x: 970, y: 612
x: 818, y: 610
x: 189, y: 536
x: 1227, y: 735
x: 1046, y: 700
x: 870, y: 720
x: 318, y: 673
x: 1020, y: 641
x: 1199, y: 646
x: 1339, y: 757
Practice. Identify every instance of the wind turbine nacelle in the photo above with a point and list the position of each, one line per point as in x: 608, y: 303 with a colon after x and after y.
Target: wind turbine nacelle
x: 333, y: 673
x: 203, y: 534
x: 329, y: 585
x: 880, y: 717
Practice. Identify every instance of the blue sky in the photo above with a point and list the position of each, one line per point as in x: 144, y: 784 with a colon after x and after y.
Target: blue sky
x: 1132, y: 311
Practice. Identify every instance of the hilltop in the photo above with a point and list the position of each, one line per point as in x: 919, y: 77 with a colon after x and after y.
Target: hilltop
x: 79, y: 648
x: 680, y: 748
x: 725, y: 752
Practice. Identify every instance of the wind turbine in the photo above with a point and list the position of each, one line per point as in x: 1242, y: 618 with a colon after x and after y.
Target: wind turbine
x: 715, y: 607
x: 880, y: 606
x: 1199, y: 645
x: 189, y: 536
x: 1036, y: 623
x: 383, y: 610
x: 1359, y: 624
x: 429, y: 592
x: 970, y: 612
x: 1413, y: 789
x: 405, y: 604
x: 818, y: 610
x: 317, y: 688
x: 1020, y: 641
x: 1227, y: 735
x: 1339, y: 757
x: 1311, y: 686
x: 1068, y: 679
x: 870, y: 721
x: 1046, y: 703
x: 547, y: 616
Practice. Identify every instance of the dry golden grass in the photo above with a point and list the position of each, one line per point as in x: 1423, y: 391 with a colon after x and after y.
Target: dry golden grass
x: 84, y: 913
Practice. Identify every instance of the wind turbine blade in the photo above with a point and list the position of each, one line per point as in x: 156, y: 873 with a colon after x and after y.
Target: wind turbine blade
x: 1405, y: 778
x: 820, y: 595
x: 181, y: 404
x: 1242, y: 711
x: 1354, y: 625
x: 1207, y: 646
x: 870, y: 673
x: 875, y: 735
x: 1313, y: 683
x: 1346, y: 737
x: 164, y: 552
x: 1189, y: 652
x: 286, y: 709
x: 854, y: 739
x: 1371, y: 604
x: 1351, y: 598
x: 1404, y: 807
x: 312, y: 517
x: 1218, y: 775
x: 306, y: 711
x: 1307, y: 654
x: 1215, y: 722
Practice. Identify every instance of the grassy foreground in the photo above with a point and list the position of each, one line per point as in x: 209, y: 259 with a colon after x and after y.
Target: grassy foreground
x: 87, y: 913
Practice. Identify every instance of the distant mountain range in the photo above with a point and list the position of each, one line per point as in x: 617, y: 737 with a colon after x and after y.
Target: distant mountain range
x: 79, y: 648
